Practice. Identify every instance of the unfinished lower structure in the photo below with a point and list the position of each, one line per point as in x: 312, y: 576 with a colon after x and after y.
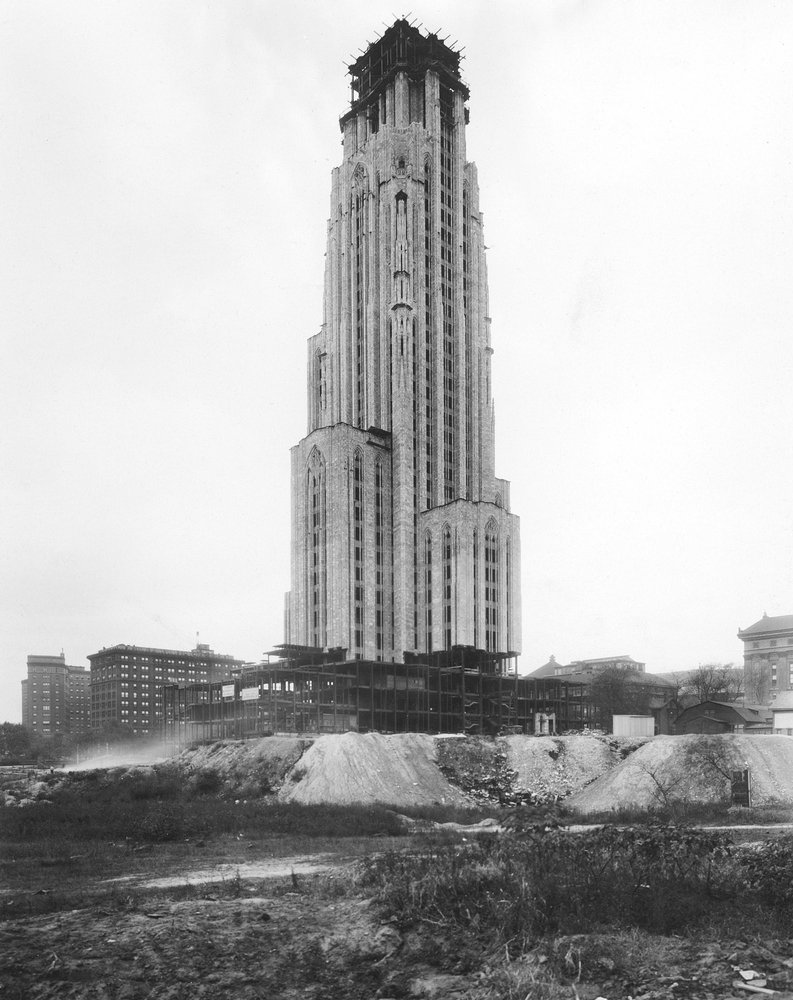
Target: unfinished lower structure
x: 308, y: 690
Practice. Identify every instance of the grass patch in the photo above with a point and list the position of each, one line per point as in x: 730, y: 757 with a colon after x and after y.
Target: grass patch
x: 71, y: 823
x: 515, y: 889
x: 156, y: 805
x: 693, y: 814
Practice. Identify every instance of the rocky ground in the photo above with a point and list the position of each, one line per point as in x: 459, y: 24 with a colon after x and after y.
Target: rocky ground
x: 285, y: 937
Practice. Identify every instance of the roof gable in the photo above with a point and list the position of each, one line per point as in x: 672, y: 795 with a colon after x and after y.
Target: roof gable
x: 778, y: 623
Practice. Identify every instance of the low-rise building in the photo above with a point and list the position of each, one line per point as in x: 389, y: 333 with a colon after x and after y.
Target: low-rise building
x: 723, y: 717
x: 588, y: 667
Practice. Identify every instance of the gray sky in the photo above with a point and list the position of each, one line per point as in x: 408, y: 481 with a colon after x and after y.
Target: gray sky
x: 165, y: 176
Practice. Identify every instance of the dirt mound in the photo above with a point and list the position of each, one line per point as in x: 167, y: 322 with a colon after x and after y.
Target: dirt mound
x: 693, y: 768
x: 552, y: 767
x: 394, y: 770
x: 400, y: 770
x: 243, y: 767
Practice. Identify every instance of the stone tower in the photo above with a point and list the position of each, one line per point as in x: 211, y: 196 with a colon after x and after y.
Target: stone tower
x: 402, y: 536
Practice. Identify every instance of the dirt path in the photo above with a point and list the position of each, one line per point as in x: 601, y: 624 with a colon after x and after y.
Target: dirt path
x: 267, y: 868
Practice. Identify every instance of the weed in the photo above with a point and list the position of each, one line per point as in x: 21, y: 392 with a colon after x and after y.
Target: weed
x: 163, y: 822
x: 204, y: 782
x: 768, y: 872
x: 513, y: 889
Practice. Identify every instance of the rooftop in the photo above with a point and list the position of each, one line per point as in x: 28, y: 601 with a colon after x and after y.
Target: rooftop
x: 778, y: 623
x: 202, y: 650
x: 404, y: 47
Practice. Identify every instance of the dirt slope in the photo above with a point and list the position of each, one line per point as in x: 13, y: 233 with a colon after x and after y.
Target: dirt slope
x: 352, y: 767
x: 401, y: 770
x: 246, y: 767
x: 693, y: 769
x: 557, y: 766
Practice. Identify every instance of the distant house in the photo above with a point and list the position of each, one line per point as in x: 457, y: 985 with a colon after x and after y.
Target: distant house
x: 716, y: 717
x: 657, y: 690
x: 554, y: 669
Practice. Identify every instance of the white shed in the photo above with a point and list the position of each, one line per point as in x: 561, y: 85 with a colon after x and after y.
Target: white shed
x: 782, y: 708
x: 633, y: 725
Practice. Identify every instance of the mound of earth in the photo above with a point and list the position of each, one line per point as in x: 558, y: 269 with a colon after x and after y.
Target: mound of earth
x: 352, y: 767
x: 693, y: 768
x: 553, y: 767
x: 244, y: 767
x: 401, y: 770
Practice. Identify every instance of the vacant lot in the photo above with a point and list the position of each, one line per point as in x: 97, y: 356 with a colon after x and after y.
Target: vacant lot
x: 142, y: 883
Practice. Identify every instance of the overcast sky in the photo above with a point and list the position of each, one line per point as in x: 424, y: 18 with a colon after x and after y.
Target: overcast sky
x: 165, y: 178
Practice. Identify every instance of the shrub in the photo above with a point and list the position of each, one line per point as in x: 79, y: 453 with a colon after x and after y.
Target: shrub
x: 547, y: 880
x: 160, y: 823
x: 204, y: 782
x: 769, y: 872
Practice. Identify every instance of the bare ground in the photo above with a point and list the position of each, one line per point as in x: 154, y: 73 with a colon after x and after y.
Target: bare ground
x: 246, y: 924
x: 284, y: 937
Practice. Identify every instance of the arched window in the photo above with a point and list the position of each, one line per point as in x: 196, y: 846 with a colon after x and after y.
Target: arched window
x: 320, y: 384
x: 359, y: 206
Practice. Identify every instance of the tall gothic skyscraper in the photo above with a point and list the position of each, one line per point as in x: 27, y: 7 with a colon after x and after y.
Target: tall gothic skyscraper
x: 402, y: 536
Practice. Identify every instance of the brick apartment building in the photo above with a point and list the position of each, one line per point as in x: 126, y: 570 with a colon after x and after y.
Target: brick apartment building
x: 126, y: 681
x: 55, y: 697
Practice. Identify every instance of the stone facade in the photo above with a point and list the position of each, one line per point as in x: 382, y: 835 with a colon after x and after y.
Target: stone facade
x: 402, y: 536
x: 767, y: 658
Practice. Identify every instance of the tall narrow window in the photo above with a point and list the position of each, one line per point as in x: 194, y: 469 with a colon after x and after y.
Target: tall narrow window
x: 428, y: 591
x: 508, y: 592
x: 469, y: 400
x: 429, y: 348
x: 359, y: 596
x: 447, y: 283
x: 476, y: 589
x: 316, y: 609
x: 379, y: 592
x: 491, y: 587
x: 447, y: 586
x: 320, y: 385
x: 359, y: 213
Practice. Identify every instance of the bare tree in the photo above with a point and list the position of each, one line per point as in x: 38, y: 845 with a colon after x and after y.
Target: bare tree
x: 666, y: 784
x: 619, y: 691
x: 758, y: 683
x: 714, y: 682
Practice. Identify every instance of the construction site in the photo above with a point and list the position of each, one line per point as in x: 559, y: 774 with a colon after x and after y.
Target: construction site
x: 303, y: 689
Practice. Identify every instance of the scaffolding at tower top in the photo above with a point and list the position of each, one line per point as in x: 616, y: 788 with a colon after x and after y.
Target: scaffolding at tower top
x: 404, y: 48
